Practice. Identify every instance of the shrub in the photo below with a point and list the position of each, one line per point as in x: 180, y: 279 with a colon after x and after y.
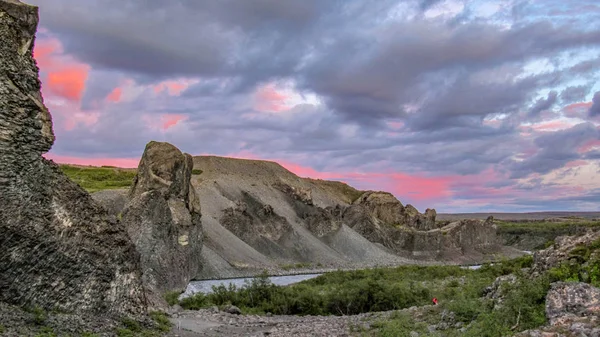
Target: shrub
x: 197, y: 172
x: 131, y: 324
x: 39, y: 315
x: 172, y: 297
x: 46, y: 332
x: 162, y: 320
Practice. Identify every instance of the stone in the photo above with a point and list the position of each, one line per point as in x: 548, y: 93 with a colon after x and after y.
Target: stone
x: 498, y: 290
x: 113, y: 201
x: 232, y: 309
x: 163, y: 219
x: 58, y: 248
x: 572, y: 298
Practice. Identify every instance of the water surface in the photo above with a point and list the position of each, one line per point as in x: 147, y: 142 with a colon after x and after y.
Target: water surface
x: 205, y: 286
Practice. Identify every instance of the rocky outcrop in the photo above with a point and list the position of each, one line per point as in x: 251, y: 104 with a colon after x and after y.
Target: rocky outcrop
x: 258, y: 225
x: 163, y: 219
x: 565, y: 248
x: 302, y: 195
x: 58, y: 248
x: 572, y: 309
x: 381, y: 218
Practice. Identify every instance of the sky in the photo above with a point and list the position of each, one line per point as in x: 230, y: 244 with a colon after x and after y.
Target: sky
x: 458, y: 105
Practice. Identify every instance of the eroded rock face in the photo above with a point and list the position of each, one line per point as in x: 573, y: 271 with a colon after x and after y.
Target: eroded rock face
x: 257, y: 224
x: 163, y: 219
x: 561, y: 251
x: 567, y: 300
x: 58, y: 248
x: 419, y: 237
x: 572, y: 308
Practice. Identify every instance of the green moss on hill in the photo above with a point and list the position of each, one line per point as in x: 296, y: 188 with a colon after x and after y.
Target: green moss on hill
x: 95, y: 179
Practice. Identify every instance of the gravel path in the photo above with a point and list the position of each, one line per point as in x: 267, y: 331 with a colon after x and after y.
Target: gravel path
x: 209, y: 322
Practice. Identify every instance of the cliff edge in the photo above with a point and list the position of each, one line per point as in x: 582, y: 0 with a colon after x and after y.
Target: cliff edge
x: 58, y: 248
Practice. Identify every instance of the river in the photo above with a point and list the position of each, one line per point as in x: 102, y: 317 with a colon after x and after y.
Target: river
x: 205, y: 286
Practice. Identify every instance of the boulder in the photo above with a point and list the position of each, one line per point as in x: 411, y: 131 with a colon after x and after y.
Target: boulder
x: 385, y: 207
x: 573, y: 309
x: 58, y: 248
x: 163, y: 219
x: 499, y: 289
x: 570, y: 300
x: 113, y: 201
x: 232, y: 309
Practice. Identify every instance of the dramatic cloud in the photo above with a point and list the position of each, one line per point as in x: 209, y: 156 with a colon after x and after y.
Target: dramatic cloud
x: 595, y: 108
x: 459, y: 105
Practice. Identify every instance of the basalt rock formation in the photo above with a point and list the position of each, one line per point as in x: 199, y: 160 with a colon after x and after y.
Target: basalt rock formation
x: 163, y: 219
x: 58, y: 248
x: 381, y: 218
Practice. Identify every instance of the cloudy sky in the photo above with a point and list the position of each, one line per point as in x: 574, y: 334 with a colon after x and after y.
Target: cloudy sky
x: 461, y: 105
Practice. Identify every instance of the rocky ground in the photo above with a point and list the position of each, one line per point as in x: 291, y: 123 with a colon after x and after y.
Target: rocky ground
x: 212, y: 322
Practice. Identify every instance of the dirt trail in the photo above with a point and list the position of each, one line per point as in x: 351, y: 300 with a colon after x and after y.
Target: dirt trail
x: 209, y: 322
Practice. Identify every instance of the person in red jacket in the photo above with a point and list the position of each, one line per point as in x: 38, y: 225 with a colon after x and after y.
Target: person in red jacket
x: 435, y: 301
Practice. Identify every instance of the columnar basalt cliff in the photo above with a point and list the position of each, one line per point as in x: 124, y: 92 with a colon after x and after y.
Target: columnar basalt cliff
x: 58, y: 248
x: 163, y: 219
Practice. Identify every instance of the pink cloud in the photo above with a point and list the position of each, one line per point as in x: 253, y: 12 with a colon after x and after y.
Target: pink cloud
x: 62, y: 75
x: 575, y: 163
x: 171, y: 120
x: 118, y: 162
x: 268, y: 99
x: 589, y: 145
x: 577, y: 109
x: 115, y: 95
x: 163, y: 122
x: 551, y: 126
x: 173, y: 87
x: 395, y: 125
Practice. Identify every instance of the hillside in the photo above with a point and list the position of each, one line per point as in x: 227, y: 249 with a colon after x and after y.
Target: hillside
x: 258, y: 215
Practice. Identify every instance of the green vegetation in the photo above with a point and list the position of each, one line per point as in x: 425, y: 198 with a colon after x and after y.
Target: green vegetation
x: 354, y: 292
x: 545, y: 227
x: 46, y: 332
x: 197, y: 171
x: 134, y: 328
x: 545, y: 230
x: 88, y: 334
x: 172, y: 297
x: 95, y: 179
x: 162, y: 321
x: 39, y: 314
x: 583, y: 266
x: 2, y: 328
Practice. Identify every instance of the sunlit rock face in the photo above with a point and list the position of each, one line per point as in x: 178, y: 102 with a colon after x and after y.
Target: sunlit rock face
x: 58, y: 248
x: 163, y: 219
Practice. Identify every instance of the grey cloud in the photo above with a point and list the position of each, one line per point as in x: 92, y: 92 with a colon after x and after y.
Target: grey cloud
x: 595, y: 108
x: 593, y: 155
x: 555, y: 150
x: 574, y: 93
x: 543, y: 104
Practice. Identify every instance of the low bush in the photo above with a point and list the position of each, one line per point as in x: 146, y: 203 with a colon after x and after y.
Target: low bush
x: 172, y: 297
x: 354, y: 292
